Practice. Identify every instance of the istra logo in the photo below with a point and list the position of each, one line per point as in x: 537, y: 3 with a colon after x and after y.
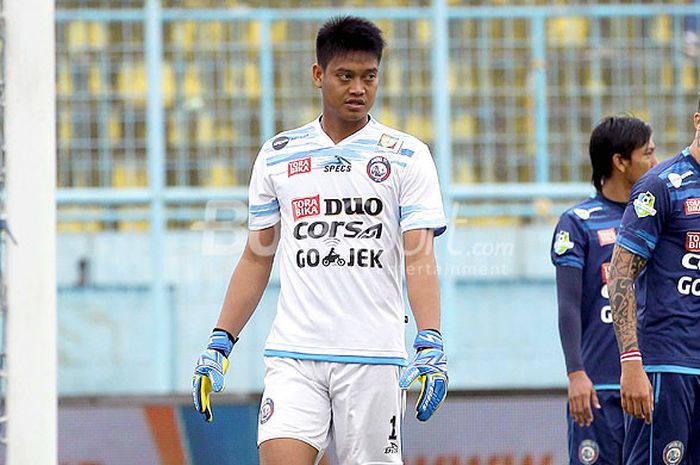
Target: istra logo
x: 306, y: 206
x: 644, y: 205
x: 299, y: 166
x: 692, y: 206
x: 562, y: 243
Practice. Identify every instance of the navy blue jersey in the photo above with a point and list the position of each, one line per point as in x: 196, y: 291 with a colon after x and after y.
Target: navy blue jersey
x: 584, y: 238
x: 662, y: 224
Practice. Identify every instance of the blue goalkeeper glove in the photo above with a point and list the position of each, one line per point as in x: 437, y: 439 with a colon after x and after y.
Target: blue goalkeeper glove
x: 429, y: 365
x: 210, y: 370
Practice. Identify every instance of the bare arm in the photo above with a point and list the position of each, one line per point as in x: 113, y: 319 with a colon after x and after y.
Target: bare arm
x: 421, y: 278
x: 624, y: 269
x: 249, y: 279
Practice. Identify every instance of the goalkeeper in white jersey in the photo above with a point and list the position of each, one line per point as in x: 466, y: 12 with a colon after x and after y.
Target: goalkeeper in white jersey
x: 342, y: 202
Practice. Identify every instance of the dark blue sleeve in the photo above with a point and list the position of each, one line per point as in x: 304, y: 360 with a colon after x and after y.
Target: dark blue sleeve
x: 645, y: 216
x: 569, y: 298
x: 570, y: 243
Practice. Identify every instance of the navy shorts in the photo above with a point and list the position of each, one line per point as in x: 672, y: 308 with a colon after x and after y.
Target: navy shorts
x: 673, y: 438
x: 601, y: 442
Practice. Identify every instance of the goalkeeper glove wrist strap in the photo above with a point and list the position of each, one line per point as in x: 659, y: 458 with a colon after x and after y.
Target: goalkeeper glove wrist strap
x: 427, y: 339
x: 222, y: 341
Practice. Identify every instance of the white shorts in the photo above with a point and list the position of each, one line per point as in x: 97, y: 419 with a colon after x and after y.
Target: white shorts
x: 359, y: 405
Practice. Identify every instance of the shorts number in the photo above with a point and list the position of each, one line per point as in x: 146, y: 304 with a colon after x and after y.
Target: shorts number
x: 392, y: 436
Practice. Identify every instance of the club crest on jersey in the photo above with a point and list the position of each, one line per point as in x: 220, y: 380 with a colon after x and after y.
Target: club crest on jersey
x: 562, y: 243
x: 588, y: 452
x: 692, y: 241
x: 390, y: 143
x: 378, y: 169
x: 267, y: 409
x: 692, y: 206
x: 306, y: 206
x: 673, y: 453
x: 606, y: 236
x: 299, y: 166
x: 644, y: 205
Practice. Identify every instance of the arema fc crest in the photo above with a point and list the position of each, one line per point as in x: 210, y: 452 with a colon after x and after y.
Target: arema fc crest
x: 378, y: 169
x: 588, y: 452
x: 673, y: 453
x: 644, y: 204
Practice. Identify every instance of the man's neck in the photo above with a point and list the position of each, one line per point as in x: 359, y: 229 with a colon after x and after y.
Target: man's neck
x: 695, y: 147
x: 616, y: 189
x: 338, y: 130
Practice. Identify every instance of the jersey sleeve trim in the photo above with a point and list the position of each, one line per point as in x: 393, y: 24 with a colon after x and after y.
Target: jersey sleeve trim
x: 633, y: 247
x: 573, y: 262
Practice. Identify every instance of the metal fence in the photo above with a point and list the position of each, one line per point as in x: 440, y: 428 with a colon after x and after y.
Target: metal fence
x: 521, y: 86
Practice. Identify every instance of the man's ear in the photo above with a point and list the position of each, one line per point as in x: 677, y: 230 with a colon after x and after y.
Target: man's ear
x: 620, y: 163
x: 317, y: 74
x: 696, y: 121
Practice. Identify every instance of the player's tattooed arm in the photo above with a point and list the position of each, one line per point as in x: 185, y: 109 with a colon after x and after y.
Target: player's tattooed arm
x: 624, y: 269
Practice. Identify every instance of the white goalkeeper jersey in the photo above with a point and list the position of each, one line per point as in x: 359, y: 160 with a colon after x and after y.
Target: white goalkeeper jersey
x: 343, y: 208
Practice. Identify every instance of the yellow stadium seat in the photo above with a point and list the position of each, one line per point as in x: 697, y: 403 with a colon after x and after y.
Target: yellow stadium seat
x: 97, y: 33
x: 253, y: 37
x: 129, y: 174
x: 568, y: 31
x: 168, y: 86
x: 172, y: 132
x: 279, y: 32
x: 64, y: 83
x: 131, y: 82
x: 184, y: 35
x: 662, y: 29
x: 193, y: 85
x: 77, y: 35
x: 205, y: 130
x: 115, y: 127
x: 392, y: 77
x: 464, y: 126
x: 420, y: 126
x: 252, y: 80
x: 667, y: 77
x: 688, y: 76
x: 220, y: 175
x: 211, y: 35
x: 387, y: 28
x: 387, y: 116
x: 65, y: 127
x: 463, y: 173
x: 95, y: 85
x: 423, y: 30
x: 225, y: 133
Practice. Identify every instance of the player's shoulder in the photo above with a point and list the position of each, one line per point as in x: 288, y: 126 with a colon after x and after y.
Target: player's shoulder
x: 584, y: 211
x: 291, y: 140
x: 668, y: 174
x: 395, y: 141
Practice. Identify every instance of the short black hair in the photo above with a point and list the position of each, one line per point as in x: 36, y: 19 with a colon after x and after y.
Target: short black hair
x: 621, y: 134
x: 344, y: 34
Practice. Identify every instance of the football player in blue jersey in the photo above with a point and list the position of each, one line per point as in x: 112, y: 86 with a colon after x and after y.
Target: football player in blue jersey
x: 658, y: 326
x: 621, y: 150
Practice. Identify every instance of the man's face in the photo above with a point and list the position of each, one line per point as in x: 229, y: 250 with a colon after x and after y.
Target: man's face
x: 348, y: 85
x: 642, y: 160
